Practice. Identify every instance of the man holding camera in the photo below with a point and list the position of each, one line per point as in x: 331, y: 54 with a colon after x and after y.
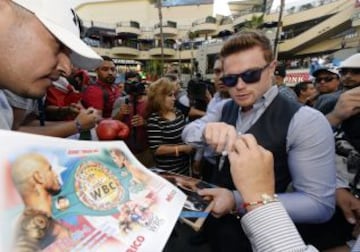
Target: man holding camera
x: 131, y: 110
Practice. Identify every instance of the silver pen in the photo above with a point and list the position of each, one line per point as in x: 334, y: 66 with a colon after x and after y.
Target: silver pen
x: 223, y: 156
x: 222, y: 160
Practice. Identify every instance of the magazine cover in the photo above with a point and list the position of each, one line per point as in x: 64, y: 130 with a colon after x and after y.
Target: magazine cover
x: 70, y: 195
x: 196, y: 208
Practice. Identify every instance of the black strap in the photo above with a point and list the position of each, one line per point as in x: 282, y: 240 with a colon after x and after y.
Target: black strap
x: 41, y: 108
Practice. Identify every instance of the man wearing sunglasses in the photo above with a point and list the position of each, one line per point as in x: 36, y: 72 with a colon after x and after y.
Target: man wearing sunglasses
x: 327, y: 80
x: 342, y: 110
x: 299, y: 137
x: 349, y: 74
x: 327, y: 83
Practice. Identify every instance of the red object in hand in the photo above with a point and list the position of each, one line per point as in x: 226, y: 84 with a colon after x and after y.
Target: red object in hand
x: 109, y: 129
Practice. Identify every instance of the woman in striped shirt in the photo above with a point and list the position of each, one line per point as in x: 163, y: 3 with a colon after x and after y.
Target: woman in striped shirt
x: 164, y: 126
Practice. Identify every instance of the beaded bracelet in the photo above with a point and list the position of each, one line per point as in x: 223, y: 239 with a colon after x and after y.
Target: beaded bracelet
x: 78, y: 126
x: 266, y: 199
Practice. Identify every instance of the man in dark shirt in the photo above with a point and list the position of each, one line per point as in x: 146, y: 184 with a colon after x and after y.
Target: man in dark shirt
x: 280, y: 74
x: 104, y: 92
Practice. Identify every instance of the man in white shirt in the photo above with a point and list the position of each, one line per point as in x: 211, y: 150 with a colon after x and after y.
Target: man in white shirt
x: 6, y: 117
x: 28, y: 69
x: 221, y: 96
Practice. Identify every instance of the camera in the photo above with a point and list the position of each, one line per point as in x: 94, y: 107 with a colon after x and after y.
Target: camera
x: 134, y: 88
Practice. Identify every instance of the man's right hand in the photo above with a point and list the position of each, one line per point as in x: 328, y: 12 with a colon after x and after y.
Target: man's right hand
x: 220, y: 136
x: 252, y: 169
x: 349, y: 205
x: 88, y: 118
x: 347, y: 105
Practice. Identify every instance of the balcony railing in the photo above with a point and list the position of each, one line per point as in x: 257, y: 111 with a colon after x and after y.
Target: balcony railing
x: 132, y: 24
x: 91, y: 23
x: 169, y: 28
x: 169, y: 24
x: 130, y: 27
x: 128, y: 43
x: 295, y: 9
x: 207, y: 20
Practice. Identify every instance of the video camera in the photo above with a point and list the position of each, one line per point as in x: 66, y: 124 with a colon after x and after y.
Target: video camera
x: 134, y: 88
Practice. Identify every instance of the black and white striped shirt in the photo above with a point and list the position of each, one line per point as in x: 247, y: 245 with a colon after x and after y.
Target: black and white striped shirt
x: 270, y: 229
x: 162, y: 131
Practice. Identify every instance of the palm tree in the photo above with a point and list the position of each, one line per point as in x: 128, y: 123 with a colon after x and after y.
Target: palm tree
x: 192, y: 36
x: 279, y: 27
x: 159, y: 6
x: 255, y: 22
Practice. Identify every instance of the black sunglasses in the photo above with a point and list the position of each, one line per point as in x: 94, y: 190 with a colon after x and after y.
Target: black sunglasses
x: 249, y: 76
x: 325, y: 79
x: 345, y: 71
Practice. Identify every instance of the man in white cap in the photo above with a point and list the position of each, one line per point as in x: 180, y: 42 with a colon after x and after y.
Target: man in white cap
x: 327, y: 82
x: 327, y: 79
x: 40, y: 40
x: 347, y: 101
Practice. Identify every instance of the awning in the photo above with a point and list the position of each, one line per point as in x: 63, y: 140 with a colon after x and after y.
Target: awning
x: 295, y: 77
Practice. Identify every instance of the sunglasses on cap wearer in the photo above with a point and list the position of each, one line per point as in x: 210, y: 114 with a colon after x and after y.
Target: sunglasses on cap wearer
x: 325, y: 79
x: 249, y: 76
x: 345, y: 71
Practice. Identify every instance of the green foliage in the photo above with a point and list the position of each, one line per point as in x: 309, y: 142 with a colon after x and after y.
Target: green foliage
x: 193, y: 35
x: 255, y: 22
x: 153, y: 67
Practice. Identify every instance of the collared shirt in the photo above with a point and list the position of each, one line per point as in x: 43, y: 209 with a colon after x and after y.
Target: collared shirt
x: 269, y: 228
x: 28, y: 104
x: 6, y: 113
x: 311, y: 158
x: 287, y: 92
x: 215, y: 104
x: 246, y: 119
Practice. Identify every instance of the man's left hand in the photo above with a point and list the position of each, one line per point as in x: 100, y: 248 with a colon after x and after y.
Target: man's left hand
x: 223, y: 200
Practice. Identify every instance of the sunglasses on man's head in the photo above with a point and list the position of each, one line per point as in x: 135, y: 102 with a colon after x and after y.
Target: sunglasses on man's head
x: 325, y: 79
x: 249, y: 77
x: 345, y: 71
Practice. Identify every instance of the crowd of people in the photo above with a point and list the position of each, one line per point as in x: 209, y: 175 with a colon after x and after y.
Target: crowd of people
x: 284, y: 161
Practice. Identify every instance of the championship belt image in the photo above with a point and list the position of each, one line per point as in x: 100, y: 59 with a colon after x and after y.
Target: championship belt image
x: 93, y: 187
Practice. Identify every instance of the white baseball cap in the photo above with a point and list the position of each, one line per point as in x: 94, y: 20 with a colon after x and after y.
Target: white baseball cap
x: 351, y: 62
x: 60, y: 19
x: 330, y: 69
